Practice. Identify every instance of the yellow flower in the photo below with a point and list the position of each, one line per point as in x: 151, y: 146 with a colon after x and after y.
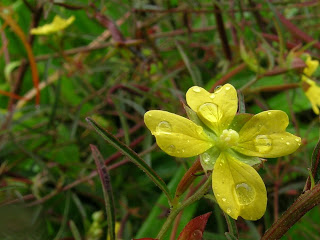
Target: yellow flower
x: 57, y: 24
x: 312, y: 66
x: 229, y: 145
x: 312, y: 91
x: 310, y: 88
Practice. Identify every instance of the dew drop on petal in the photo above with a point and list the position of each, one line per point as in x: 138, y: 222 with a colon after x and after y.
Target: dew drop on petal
x: 228, y: 88
x: 223, y: 199
x: 210, y: 112
x: 218, y: 195
x: 288, y: 143
x: 297, y: 139
x: 212, y: 96
x: 164, y: 126
x: 269, y: 113
x: 228, y: 210
x: 217, y: 89
x: 245, y: 193
x: 199, y: 129
x: 263, y: 143
x: 206, y: 158
x: 171, y: 148
x: 196, y: 89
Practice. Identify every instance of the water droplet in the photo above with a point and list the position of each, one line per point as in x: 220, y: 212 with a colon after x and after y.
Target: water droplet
x: 196, y: 235
x: 210, y: 112
x: 228, y: 210
x: 223, y: 199
x: 171, y: 148
x: 263, y: 143
x: 164, y: 126
x: 269, y: 113
x: 218, y: 195
x: 297, y: 139
x: 196, y: 89
x: 288, y: 143
x: 212, y: 96
x: 228, y: 88
x: 245, y: 193
x: 183, y: 150
x: 206, y: 158
x: 188, y: 141
x: 217, y: 89
x: 282, y: 138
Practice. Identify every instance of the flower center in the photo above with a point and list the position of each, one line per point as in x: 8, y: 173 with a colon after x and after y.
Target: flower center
x: 228, y: 138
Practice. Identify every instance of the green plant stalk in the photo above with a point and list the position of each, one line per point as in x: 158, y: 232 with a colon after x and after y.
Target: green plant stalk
x: 300, y: 207
x: 177, y: 208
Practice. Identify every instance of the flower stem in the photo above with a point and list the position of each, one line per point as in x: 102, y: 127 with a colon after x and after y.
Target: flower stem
x: 177, y: 208
x: 300, y: 207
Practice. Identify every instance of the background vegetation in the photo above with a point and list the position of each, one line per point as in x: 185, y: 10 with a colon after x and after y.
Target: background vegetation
x: 117, y: 60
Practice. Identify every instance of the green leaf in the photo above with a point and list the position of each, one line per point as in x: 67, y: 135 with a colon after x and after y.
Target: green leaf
x: 133, y: 157
x: 315, y: 167
x: 107, y: 190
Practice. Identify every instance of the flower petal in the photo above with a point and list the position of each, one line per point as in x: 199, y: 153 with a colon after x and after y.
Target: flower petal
x: 176, y: 135
x: 264, y: 135
x: 312, y: 66
x: 57, y: 24
x: 312, y: 91
x: 216, y: 109
x: 238, y: 188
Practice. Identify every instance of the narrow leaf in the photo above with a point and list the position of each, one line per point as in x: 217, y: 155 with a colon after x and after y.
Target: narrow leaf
x: 132, y: 156
x: 107, y: 190
x: 74, y: 230
x: 232, y: 227
x: 194, y: 229
x: 188, y: 178
x: 146, y: 239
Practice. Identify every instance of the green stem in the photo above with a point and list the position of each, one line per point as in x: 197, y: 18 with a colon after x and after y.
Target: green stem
x: 177, y: 208
x: 300, y: 207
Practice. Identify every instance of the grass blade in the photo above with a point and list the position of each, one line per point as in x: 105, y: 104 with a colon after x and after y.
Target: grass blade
x: 107, y: 190
x: 133, y: 157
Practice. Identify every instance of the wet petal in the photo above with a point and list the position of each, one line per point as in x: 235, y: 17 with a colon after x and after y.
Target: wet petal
x: 264, y: 135
x: 238, y: 188
x: 176, y: 135
x: 216, y: 109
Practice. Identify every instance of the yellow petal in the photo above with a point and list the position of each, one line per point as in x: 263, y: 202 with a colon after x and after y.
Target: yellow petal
x: 57, y: 24
x: 312, y: 66
x: 176, y: 135
x: 216, y: 109
x: 264, y: 135
x: 238, y: 188
x: 312, y: 91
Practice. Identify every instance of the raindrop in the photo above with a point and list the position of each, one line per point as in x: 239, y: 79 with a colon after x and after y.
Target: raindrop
x: 210, y: 112
x: 282, y: 138
x: 183, y: 150
x: 288, y: 143
x: 196, y: 89
x: 228, y: 210
x: 164, y: 126
x: 218, y: 195
x: 212, y: 96
x: 227, y: 88
x: 171, y: 148
x: 223, y: 199
x: 245, y: 193
x: 206, y: 158
x: 263, y: 143
x: 297, y: 139
x: 218, y: 89
x: 269, y: 113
